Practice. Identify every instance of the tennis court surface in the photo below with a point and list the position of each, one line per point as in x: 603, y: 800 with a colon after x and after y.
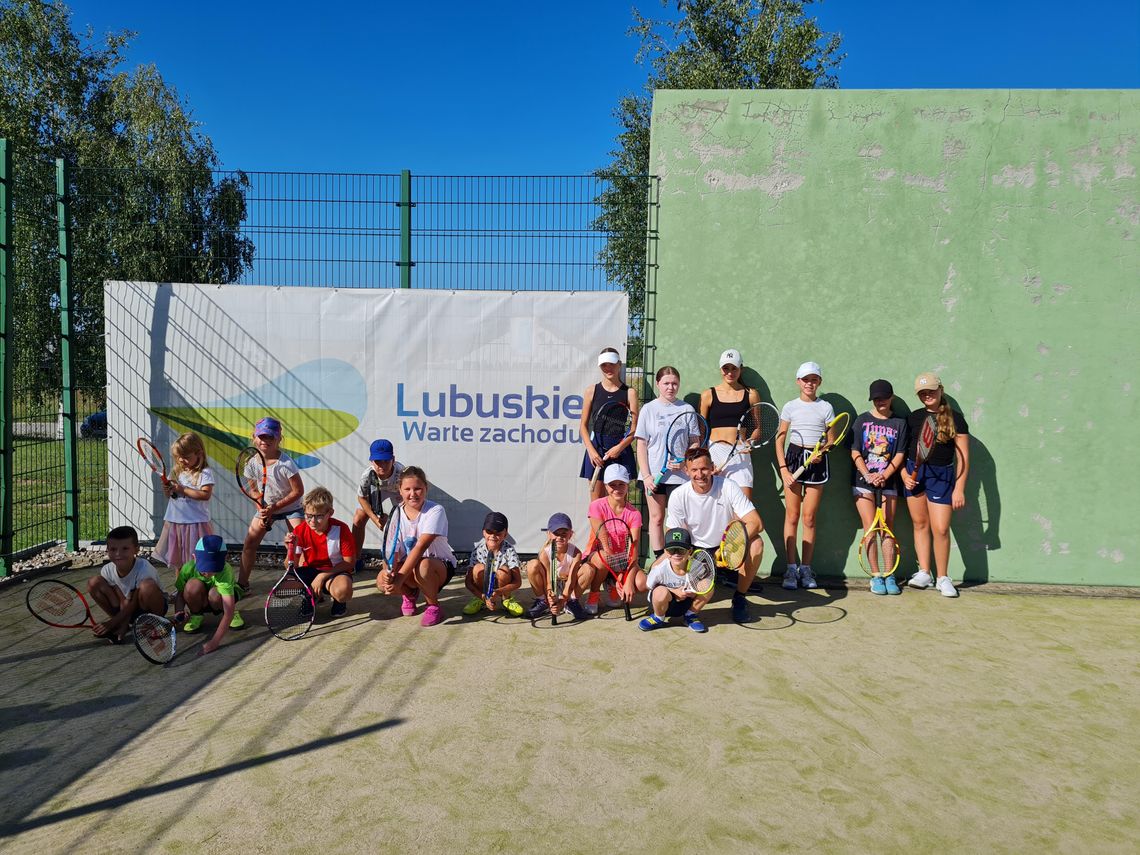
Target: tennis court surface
x: 837, y: 722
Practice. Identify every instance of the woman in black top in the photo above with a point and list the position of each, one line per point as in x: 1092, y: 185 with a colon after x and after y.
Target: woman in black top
x: 611, y: 387
x: 722, y: 406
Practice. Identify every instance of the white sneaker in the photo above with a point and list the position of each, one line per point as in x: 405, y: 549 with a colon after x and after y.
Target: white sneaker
x: 791, y: 577
x: 946, y: 587
x: 921, y: 579
x: 807, y: 578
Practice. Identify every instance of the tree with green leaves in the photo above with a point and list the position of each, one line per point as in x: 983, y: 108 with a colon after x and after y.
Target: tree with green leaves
x: 709, y: 44
x: 146, y: 200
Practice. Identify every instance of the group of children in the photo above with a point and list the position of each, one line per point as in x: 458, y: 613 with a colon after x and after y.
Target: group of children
x: 688, y: 509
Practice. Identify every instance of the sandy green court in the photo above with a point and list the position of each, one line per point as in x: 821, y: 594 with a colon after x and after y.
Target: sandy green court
x: 837, y: 722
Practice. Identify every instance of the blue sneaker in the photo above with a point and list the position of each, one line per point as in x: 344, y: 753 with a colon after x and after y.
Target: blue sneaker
x: 878, y: 586
x: 575, y: 609
x: 651, y: 622
x: 892, y: 585
x: 740, y: 608
x: 693, y: 622
x: 791, y: 578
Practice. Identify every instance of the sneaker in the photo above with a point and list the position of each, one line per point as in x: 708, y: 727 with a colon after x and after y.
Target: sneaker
x: 892, y: 585
x: 576, y: 610
x: 539, y: 608
x: 338, y: 609
x: 194, y: 623
x: 807, y: 578
x: 513, y: 607
x: 592, y: 602
x: 473, y: 607
x: 693, y: 622
x: 791, y: 578
x: 243, y: 587
x: 946, y: 587
x: 651, y: 622
x: 739, y: 608
x: 921, y: 579
x: 878, y: 586
x: 612, y: 598
x: 306, y: 609
x: 432, y: 615
x: 237, y: 621
x: 407, y: 605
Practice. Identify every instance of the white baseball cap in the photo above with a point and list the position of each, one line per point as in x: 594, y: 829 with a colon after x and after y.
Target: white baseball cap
x: 616, y: 472
x: 730, y: 357
x: 807, y: 369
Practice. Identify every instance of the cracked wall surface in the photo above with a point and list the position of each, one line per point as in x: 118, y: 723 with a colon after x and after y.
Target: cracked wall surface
x: 992, y: 236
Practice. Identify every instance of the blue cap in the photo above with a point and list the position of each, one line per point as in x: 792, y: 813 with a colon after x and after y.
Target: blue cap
x: 558, y: 522
x: 267, y: 425
x: 210, y: 554
x: 381, y: 449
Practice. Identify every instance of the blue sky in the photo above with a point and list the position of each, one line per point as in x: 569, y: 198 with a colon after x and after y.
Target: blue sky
x: 528, y: 88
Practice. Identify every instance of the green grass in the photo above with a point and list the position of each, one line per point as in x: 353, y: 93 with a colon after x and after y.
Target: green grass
x: 38, y: 512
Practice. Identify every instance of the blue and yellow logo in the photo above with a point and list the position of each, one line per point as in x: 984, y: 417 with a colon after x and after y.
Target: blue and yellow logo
x: 318, y: 403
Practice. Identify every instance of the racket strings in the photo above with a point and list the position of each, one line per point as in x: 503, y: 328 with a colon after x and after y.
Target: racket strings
x: 60, y: 604
x: 151, y: 455
x: 735, y: 543
x: 154, y: 634
x: 286, y: 607
x: 614, y: 423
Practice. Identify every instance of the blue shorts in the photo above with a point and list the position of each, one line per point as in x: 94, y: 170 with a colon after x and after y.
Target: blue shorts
x: 935, y: 482
x: 626, y: 459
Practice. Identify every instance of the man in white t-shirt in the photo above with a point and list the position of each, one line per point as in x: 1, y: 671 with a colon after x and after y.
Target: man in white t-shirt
x: 704, y: 507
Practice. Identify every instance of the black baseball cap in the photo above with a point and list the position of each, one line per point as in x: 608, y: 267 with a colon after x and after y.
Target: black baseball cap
x: 881, y: 389
x: 678, y: 538
x: 495, y: 522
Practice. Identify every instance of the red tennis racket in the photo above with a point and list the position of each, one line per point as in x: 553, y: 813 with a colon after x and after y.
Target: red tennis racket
x: 618, y: 552
x: 154, y: 459
x: 58, y: 604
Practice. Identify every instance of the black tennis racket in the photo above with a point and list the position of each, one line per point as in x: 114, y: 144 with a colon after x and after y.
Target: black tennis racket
x: 155, y: 637
x: 756, y: 428
x: 555, y: 584
x: 687, y: 430
x: 613, y: 422
x: 252, y: 475
x: 290, y: 606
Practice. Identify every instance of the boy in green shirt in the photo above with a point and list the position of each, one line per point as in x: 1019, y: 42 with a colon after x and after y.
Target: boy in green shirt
x: 208, y: 582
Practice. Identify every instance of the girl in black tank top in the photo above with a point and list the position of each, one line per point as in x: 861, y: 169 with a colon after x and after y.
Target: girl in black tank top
x: 722, y: 416
x: 610, y: 388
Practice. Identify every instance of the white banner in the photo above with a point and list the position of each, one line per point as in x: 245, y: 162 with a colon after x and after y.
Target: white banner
x: 481, y: 389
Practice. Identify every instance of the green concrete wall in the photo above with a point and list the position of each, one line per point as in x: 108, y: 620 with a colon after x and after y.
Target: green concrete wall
x: 991, y: 236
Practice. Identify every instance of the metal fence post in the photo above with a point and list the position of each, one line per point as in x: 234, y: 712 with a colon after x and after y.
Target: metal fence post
x: 7, y: 455
x: 70, y: 458
x: 405, y: 204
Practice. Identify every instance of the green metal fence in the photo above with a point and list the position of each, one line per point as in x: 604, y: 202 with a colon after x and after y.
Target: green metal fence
x: 66, y: 229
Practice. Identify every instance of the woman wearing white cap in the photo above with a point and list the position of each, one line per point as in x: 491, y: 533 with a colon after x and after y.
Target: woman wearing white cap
x: 803, y: 421
x: 940, y: 488
x: 722, y: 406
x: 611, y: 387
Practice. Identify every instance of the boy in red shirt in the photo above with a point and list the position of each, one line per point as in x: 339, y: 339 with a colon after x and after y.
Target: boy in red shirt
x: 324, y: 549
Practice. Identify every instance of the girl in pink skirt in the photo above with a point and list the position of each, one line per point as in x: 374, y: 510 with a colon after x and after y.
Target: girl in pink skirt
x: 188, y: 512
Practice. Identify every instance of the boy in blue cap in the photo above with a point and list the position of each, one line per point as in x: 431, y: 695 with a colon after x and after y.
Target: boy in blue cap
x: 208, y: 582
x: 381, y: 480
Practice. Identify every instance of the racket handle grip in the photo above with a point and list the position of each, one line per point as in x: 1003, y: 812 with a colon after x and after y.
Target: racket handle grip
x: 594, y: 477
x: 803, y: 468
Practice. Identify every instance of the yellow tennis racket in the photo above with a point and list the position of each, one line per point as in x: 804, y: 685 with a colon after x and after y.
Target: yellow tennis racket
x: 879, y: 550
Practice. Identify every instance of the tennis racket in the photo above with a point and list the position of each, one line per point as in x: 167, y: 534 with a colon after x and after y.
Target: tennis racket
x: 733, y: 546
x: 687, y: 430
x: 58, y: 604
x: 613, y: 422
x: 701, y: 575
x: 290, y: 606
x: 618, y: 552
x: 154, y: 459
x: 756, y: 428
x: 555, y: 582
x: 836, y: 428
x: 252, y: 473
x: 926, y: 439
x: 879, y: 550
x: 155, y: 637
x: 490, y: 571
